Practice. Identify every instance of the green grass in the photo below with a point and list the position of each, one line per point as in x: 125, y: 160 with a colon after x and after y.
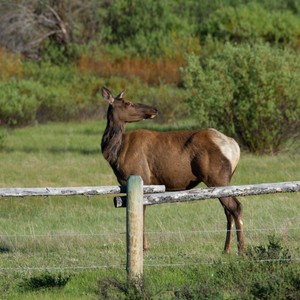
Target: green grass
x: 74, y: 247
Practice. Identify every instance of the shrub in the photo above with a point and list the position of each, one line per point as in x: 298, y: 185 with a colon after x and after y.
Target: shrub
x: 143, y: 27
x: 251, y: 92
x: 273, y: 252
x: 56, y: 104
x: 17, y: 107
x: 25, y: 101
x: 275, y: 279
x: 48, y: 74
x: 62, y: 93
x: 252, y: 22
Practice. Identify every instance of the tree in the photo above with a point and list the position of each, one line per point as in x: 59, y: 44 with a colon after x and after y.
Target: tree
x: 26, y: 25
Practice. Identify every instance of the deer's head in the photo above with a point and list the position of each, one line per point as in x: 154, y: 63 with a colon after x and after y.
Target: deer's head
x: 122, y: 110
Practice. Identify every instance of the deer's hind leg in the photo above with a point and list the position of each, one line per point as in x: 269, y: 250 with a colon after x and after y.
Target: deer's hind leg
x: 233, y: 210
x: 227, y: 247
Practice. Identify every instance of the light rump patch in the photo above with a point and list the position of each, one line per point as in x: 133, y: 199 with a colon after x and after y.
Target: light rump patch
x: 228, y: 146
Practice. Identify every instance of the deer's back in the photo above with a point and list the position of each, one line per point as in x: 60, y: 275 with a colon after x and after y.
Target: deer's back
x: 177, y: 159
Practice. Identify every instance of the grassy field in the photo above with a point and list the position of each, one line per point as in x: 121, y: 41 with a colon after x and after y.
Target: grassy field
x: 74, y: 247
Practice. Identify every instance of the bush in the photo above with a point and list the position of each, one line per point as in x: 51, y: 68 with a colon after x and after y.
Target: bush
x: 251, y: 92
x: 62, y: 93
x: 267, y: 272
x: 143, y: 27
x: 25, y: 101
x: 252, y: 22
x: 273, y: 252
x: 56, y: 104
x: 17, y: 107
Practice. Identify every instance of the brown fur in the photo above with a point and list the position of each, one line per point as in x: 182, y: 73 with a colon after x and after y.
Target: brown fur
x: 179, y: 160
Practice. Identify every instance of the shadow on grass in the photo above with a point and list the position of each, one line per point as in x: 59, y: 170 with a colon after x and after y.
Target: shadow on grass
x: 4, y: 249
x: 4, y: 246
x: 45, y: 281
x: 53, y: 150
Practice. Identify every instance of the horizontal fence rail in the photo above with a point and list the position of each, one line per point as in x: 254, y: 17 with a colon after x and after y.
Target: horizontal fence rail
x: 215, y: 192
x: 73, y: 191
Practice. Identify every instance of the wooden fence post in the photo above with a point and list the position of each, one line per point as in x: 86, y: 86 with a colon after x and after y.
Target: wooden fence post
x: 134, y: 228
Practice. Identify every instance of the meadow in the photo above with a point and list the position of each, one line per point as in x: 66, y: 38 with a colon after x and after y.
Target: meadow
x: 232, y: 64
x: 74, y: 247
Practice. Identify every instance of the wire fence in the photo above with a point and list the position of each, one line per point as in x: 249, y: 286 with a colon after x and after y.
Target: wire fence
x: 57, y: 250
x: 152, y: 259
x: 276, y: 229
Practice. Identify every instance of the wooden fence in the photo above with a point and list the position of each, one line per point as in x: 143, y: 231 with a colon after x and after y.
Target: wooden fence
x: 138, y: 195
x: 135, y: 200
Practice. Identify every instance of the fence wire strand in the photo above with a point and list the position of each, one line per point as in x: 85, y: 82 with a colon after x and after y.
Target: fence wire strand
x: 122, y: 266
x: 53, y: 235
x: 147, y: 261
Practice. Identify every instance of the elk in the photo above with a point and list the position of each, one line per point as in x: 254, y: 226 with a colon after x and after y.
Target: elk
x: 179, y: 159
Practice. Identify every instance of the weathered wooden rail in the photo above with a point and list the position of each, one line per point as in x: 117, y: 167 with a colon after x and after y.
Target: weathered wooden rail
x: 74, y: 191
x: 215, y: 192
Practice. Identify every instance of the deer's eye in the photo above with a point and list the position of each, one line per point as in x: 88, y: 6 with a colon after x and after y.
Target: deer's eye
x: 128, y: 104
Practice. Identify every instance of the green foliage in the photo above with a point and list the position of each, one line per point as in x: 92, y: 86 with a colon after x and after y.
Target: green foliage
x: 290, y: 5
x: 17, y: 105
x: 264, y: 272
x: 48, y: 93
x: 143, y: 27
x: 251, y: 92
x: 46, y: 73
x: 54, y: 53
x: 251, y: 23
x: 23, y: 102
x: 273, y: 251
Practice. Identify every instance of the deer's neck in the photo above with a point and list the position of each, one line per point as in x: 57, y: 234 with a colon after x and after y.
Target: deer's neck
x: 112, y: 140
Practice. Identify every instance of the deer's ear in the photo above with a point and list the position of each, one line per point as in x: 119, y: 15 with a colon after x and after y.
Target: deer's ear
x: 121, y: 95
x: 107, y: 95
